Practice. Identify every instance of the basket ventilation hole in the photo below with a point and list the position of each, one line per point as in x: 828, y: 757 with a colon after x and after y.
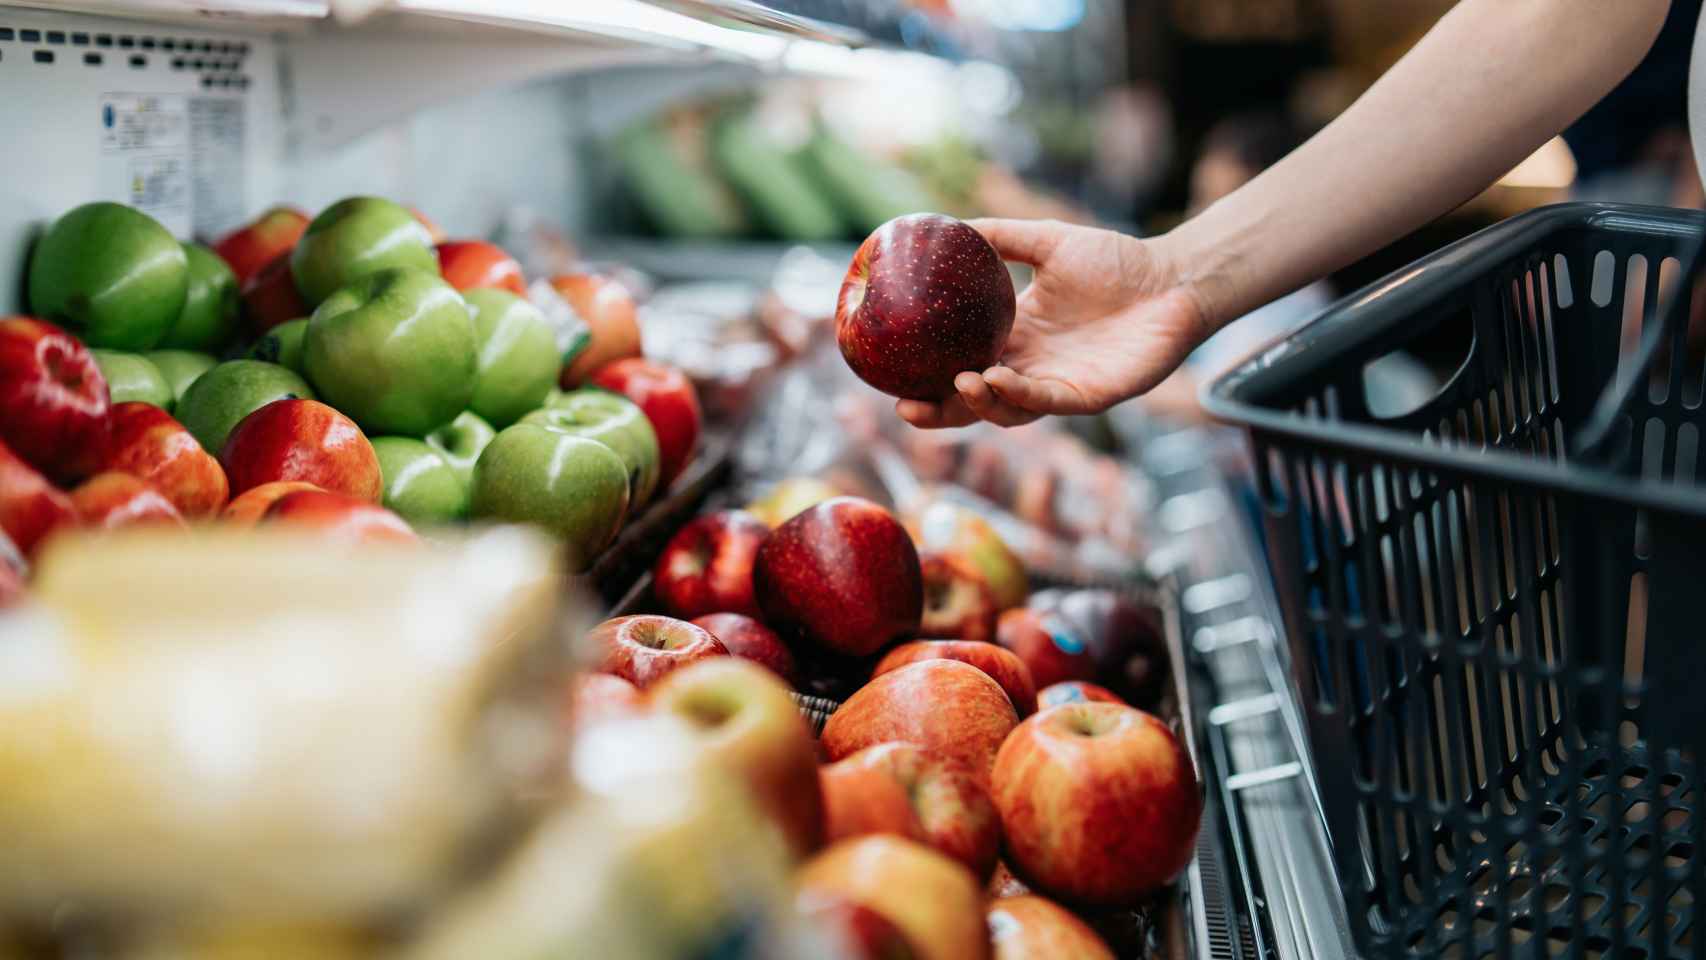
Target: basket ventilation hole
x: 1604, y: 264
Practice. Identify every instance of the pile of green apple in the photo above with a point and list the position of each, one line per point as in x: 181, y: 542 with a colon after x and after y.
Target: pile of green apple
x: 416, y: 381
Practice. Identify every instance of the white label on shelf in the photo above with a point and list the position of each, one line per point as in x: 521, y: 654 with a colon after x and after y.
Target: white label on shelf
x: 145, y: 155
x: 216, y: 163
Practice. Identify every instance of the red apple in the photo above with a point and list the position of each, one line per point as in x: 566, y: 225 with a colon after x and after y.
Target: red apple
x: 304, y: 440
x: 925, y: 298
x: 958, y: 604
x: 148, y: 443
x: 854, y: 931
x: 594, y: 697
x: 750, y: 640
x: 643, y: 649
x: 747, y: 724
x: 1099, y: 803
x: 669, y: 401
x: 1074, y: 691
x: 947, y: 526
x: 53, y: 399
x: 30, y: 507
x: 1032, y: 928
x: 247, y: 508
x: 933, y: 899
x: 612, y: 324
x: 950, y: 708
x: 112, y: 500
x: 270, y: 296
x: 1002, y: 883
x: 1124, y: 637
x: 472, y: 264
x: 900, y: 788
x: 340, y: 516
x: 707, y: 566
x: 1002, y: 666
x: 1050, y: 645
x: 843, y: 576
x: 252, y: 247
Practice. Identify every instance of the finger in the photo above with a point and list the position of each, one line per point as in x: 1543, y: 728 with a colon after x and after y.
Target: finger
x: 951, y: 412
x: 988, y: 405
x: 1031, y: 393
x: 1025, y: 241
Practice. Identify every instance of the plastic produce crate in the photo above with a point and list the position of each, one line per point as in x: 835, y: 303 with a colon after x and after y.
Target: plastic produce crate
x: 1496, y: 601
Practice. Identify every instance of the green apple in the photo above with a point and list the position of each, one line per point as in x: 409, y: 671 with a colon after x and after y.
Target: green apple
x: 180, y: 368
x: 224, y: 395
x: 394, y: 350
x: 109, y: 274
x: 614, y: 421
x: 130, y: 376
x: 209, y: 316
x: 518, y: 359
x: 354, y: 238
x: 574, y: 487
x: 461, y: 441
x: 282, y: 344
x: 420, y: 485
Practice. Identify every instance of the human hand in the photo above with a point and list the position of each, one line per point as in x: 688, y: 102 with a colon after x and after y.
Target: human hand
x: 1105, y: 318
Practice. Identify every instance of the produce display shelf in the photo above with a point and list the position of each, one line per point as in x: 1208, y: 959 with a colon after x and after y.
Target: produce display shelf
x: 625, y: 566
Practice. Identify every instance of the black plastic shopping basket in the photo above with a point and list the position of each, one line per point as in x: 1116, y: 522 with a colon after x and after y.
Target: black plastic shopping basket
x: 1496, y: 602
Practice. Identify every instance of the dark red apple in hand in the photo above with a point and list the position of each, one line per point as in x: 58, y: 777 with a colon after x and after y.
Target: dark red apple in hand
x: 958, y: 604
x: 707, y: 566
x: 270, y: 296
x: 842, y: 575
x: 53, y: 400
x: 750, y: 640
x: 473, y: 264
x: 252, y: 247
x: 902, y: 789
x: 1074, y: 691
x: 949, y: 708
x: 1052, y: 646
x: 112, y: 500
x: 148, y: 443
x: 1003, y: 666
x: 1099, y: 803
x: 926, y: 298
x: 645, y: 648
x: 340, y: 516
x: 668, y: 400
x: 303, y: 440
x: 30, y: 506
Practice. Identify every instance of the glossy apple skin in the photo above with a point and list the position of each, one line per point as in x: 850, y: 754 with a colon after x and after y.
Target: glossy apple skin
x: 1053, y: 648
x: 340, y: 517
x: 669, y: 401
x: 572, y: 486
x: 132, y: 376
x: 612, y: 320
x: 53, y: 399
x: 249, y: 507
x: 901, y: 789
x: 958, y: 604
x: 707, y: 566
x: 209, y: 317
x: 925, y: 298
x: 270, y: 298
x: 748, y: 639
x: 147, y: 443
x: 516, y: 355
x: 595, y: 697
x: 952, y: 528
x: 1029, y: 927
x: 420, y: 485
x: 842, y: 576
x: 933, y: 899
x: 1075, y: 691
x: 356, y: 238
x: 111, y: 500
x: 1125, y: 638
x: 271, y: 235
x: 30, y: 506
x: 476, y: 264
x: 855, y: 931
x: 222, y: 397
x: 644, y: 648
x: 949, y: 708
x: 1099, y: 803
x: 302, y: 440
x: 614, y: 421
x: 1002, y: 666
x: 110, y: 273
x: 746, y: 723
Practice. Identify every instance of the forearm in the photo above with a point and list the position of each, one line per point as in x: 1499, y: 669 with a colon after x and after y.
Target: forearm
x: 1489, y: 84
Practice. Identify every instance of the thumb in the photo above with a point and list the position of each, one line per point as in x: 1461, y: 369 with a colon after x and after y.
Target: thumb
x: 1025, y: 241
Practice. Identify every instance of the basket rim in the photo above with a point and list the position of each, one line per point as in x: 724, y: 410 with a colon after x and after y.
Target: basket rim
x: 1381, y: 309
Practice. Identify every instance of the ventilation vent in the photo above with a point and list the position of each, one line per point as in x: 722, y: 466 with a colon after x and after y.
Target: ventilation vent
x: 220, y: 63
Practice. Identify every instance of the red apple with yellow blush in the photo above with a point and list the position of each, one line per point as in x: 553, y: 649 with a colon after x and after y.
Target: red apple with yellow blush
x: 958, y: 604
x: 1030, y: 927
x: 644, y: 648
x: 148, y: 443
x: 111, y: 500
x: 306, y: 441
x: 902, y: 789
x: 931, y: 897
x: 271, y: 235
x: 1002, y: 666
x: 612, y: 324
x: 1075, y: 691
x: 53, y: 399
x: 475, y: 264
x: 925, y: 298
x: 340, y: 516
x: 247, y: 508
x: 30, y: 506
x: 949, y: 708
x: 748, y: 639
x: 707, y: 566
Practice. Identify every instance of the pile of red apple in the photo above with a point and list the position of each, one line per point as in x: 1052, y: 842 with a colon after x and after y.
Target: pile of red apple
x: 979, y: 794
x: 355, y: 372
